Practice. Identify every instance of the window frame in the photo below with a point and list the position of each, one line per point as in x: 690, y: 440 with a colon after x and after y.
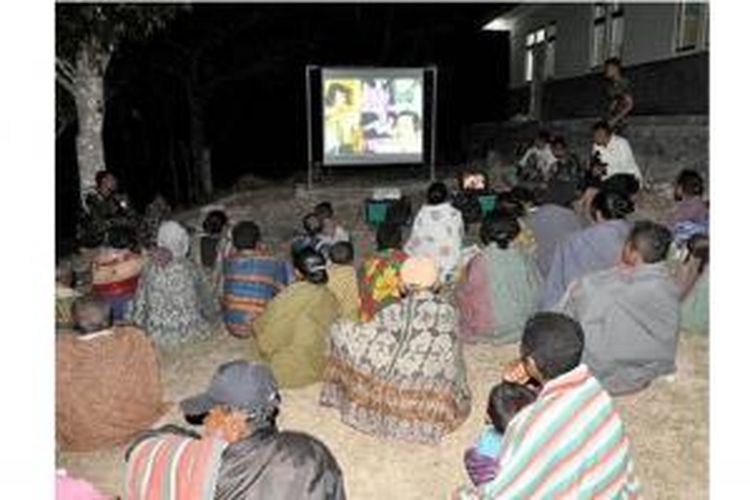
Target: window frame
x: 533, y: 39
x: 701, y: 40
x: 604, y: 15
x: 550, y: 42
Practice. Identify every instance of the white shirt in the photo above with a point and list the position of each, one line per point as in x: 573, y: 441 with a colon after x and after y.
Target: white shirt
x: 544, y: 157
x: 618, y: 156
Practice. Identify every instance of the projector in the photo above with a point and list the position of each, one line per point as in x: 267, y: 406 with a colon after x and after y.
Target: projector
x: 380, y: 194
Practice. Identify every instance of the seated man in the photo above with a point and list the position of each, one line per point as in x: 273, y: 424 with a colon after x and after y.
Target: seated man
x: 614, y: 152
x: 105, y: 208
x: 567, y: 167
x: 332, y: 232
x: 690, y: 214
x: 570, y: 442
x: 107, y: 381
x: 244, y: 454
x: 553, y: 221
x: 342, y: 279
x: 252, y: 277
x: 630, y: 314
x: 536, y: 163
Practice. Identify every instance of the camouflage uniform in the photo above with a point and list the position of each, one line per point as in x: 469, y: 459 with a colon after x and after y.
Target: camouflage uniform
x: 101, y: 214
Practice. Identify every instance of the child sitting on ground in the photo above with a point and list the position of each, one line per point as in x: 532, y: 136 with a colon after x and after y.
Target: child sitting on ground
x: 312, y: 236
x: 332, y: 231
x: 342, y: 279
x: 505, y: 401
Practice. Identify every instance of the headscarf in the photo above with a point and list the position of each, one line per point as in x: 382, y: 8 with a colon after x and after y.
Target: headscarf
x: 173, y: 237
x: 419, y: 272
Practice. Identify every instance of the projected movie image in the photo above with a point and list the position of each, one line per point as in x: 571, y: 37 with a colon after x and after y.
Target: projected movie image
x: 372, y: 120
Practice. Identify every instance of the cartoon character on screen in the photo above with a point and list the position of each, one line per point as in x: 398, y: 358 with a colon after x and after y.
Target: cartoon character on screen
x: 408, y: 132
x: 343, y: 134
x: 407, y: 95
x: 376, y: 98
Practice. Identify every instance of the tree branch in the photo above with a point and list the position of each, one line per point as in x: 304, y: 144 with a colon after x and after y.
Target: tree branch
x: 66, y: 83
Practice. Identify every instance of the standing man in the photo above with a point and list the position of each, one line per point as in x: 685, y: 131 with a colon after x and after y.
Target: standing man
x: 619, y: 94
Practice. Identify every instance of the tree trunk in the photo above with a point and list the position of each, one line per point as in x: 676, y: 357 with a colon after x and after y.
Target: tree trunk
x: 200, y: 155
x: 91, y: 65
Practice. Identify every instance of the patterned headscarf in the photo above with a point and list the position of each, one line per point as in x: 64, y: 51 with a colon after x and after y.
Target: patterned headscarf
x: 419, y: 272
x: 174, y: 238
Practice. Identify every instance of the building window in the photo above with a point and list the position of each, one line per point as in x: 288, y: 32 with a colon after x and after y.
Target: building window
x: 549, y: 54
x: 608, y: 32
x: 534, y: 39
x: 690, y: 20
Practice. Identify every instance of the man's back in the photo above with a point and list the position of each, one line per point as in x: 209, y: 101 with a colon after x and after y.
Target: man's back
x: 550, y: 225
x: 279, y: 465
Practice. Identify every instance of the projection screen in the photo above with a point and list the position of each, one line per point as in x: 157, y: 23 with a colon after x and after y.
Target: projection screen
x: 372, y: 116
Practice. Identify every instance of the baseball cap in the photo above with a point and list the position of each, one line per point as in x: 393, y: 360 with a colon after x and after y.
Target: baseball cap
x: 239, y: 384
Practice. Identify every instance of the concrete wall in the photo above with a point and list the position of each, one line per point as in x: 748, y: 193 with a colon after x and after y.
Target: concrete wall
x: 662, y: 145
x: 674, y: 86
x: 649, y: 35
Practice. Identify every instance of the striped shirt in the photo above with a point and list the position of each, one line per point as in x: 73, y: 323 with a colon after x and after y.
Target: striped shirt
x: 251, y: 279
x: 569, y: 444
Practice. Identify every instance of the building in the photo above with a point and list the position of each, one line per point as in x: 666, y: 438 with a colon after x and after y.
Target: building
x: 556, y: 58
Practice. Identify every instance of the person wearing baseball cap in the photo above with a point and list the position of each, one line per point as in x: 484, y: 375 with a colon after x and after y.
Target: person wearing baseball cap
x: 246, y: 457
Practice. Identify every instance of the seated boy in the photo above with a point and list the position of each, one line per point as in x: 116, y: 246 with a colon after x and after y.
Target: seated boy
x: 312, y: 236
x: 505, y: 401
x: 252, y: 277
x: 342, y: 279
x: 332, y: 231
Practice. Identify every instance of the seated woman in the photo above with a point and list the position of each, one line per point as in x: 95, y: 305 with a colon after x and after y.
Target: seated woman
x: 173, y: 303
x: 210, y: 246
x: 342, y: 279
x: 595, y: 248
x: 693, y: 282
x: 402, y: 374
x: 499, y: 290
x: 438, y: 232
x: 115, y: 270
x: 252, y: 277
x: 107, y: 381
x: 292, y: 332
x: 378, y: 275
x: 629, y: 314
x: 242, y: 453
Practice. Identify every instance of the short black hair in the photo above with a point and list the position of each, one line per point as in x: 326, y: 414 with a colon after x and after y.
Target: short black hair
x: 437, y: 193
x: 602, y: 125
x: 613, y: 61
x: 559, y: 140
x: 215, y: 221
x: 500, y: 228
x: 102, y: 318
x: 612, y: 204
x: 561, y: 193
x: 555, y: 343
x: 691, y: 182
x: 324, y: 210
x: 651, y: 240
x: 388, y: 236
x: 245, y: 235
x: 337, y: 87
x: 341, y: 252
x: 122, y: 237
x: 698, y: 248
x: 505, y: 401
x: 101, y: 175
x: 311, y: 265
x: 312, y: 224
x: 543, y: 135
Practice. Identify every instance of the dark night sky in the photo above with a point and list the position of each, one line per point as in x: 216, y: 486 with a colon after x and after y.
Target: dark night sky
x: 250, y: 73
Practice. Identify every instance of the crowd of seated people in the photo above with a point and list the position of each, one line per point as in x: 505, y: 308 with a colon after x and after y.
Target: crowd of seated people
x: 596, y: 300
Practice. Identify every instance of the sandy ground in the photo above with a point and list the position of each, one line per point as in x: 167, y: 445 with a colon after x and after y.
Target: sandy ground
x: 667, y: 423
